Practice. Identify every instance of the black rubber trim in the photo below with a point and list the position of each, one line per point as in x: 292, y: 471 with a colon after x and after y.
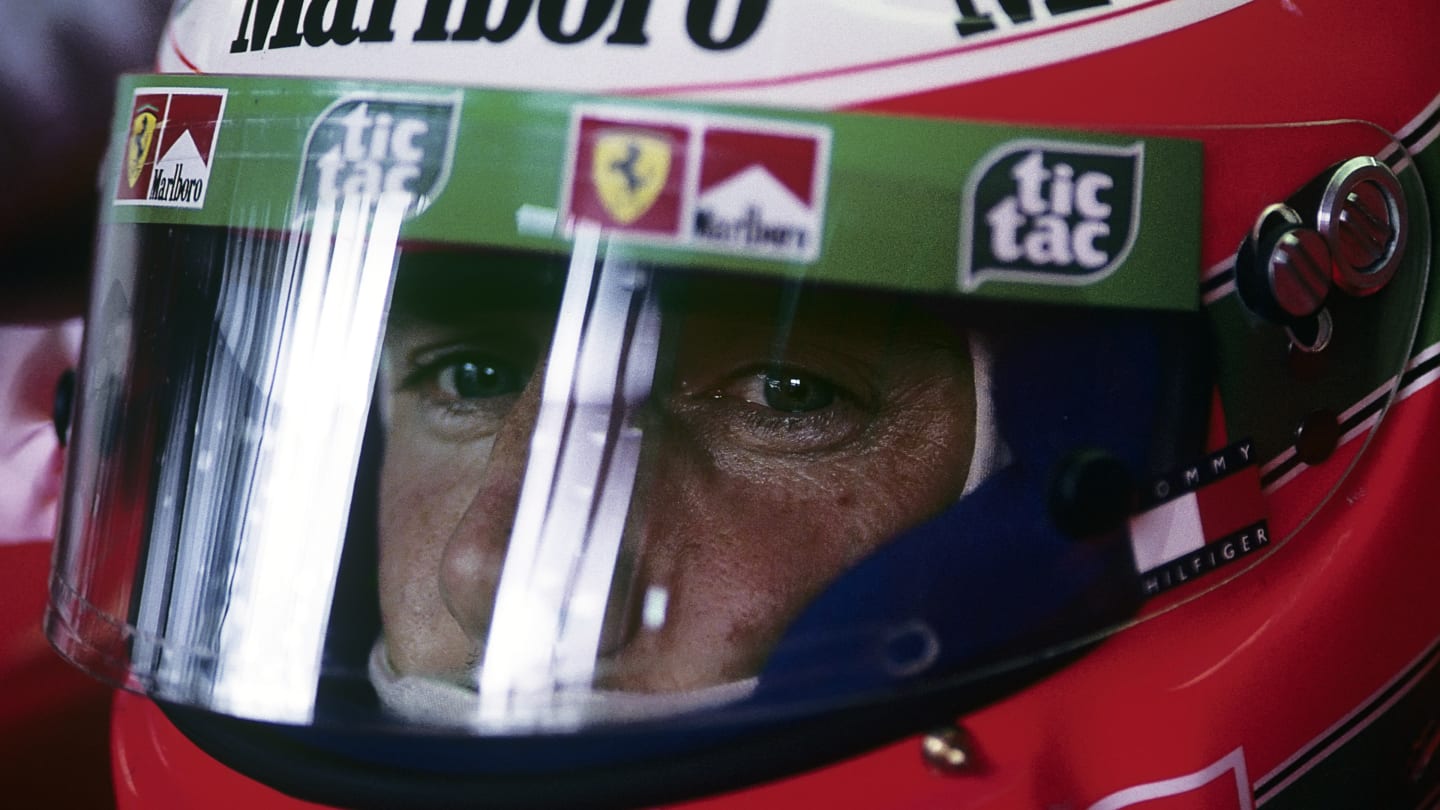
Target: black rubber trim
x: 285, y: 759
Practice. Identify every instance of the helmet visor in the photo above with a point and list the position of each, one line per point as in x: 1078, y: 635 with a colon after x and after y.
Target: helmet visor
x: 504, y: 413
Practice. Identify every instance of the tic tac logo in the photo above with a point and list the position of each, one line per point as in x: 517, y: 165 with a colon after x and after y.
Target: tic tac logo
x: 366, y: 147
x: 733, y: 185
x: 169, y: 147
x: 1045, y: 212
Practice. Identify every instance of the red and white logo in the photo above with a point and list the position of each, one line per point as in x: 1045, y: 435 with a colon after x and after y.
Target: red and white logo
x: 1202, y: 517
x: 733, y: 185
x: 629, y: 175
x: 761, y: 191
x: 169, y: 147
x: 1223, y: 784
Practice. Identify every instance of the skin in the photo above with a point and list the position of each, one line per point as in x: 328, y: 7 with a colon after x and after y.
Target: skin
x: 772, y: 462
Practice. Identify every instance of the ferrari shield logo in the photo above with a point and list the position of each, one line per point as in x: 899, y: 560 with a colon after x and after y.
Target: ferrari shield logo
x: 137, y: 149
x: 629, y: 170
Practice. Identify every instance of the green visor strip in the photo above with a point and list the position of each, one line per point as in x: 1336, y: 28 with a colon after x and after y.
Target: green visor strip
x: 922, y: 205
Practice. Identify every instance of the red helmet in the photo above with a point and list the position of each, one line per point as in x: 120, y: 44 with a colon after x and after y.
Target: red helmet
x: 978, y: 404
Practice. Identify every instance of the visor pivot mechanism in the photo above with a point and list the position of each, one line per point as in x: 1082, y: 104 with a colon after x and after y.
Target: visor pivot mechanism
x: 1346, y: 229
x: 1283, y: 269
x: 1362, y: 214
x: 1091, y: 494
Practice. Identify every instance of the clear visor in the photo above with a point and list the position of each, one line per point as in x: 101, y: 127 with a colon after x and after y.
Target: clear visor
x: 345, y: 471
x: 633, y: 481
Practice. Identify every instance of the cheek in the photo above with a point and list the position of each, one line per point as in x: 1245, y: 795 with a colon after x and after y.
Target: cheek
x: 425, y: 488
x: 742, y: 548
x: 922, y: 454
x: 736, y: 565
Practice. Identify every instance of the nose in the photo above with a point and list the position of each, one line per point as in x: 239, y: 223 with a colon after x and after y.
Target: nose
x: 471, y: 561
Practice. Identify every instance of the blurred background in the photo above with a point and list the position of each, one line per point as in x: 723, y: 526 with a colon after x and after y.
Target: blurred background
x: 58, y: 63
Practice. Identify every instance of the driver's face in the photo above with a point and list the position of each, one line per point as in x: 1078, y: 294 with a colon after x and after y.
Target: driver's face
x: 786, y: 438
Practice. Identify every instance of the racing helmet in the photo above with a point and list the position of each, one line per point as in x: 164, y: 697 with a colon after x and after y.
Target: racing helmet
x: 591, y: 403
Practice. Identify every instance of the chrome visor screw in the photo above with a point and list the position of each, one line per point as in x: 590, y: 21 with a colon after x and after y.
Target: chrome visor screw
x: 1362, y: 214
x: 1298, y: 271
x: 950, y: 751
x: 1365, y: 229
x: 1283, y: 270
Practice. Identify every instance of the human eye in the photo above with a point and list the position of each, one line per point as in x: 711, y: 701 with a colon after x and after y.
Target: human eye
x: 466, y: 378
x: 786, y: 389
x: 464, y: 390
x: 778, y: 408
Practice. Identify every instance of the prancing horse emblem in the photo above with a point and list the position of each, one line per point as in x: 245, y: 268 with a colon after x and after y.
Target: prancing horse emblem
x: 137, y: 146
x: 629, y: 170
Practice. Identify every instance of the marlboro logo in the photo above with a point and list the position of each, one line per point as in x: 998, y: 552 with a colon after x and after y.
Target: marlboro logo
x: 169, y: 147
x: 1200, y: 518
x: 760, y: 191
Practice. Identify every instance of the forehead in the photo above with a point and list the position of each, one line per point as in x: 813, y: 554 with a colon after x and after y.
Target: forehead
x: 456, y: 287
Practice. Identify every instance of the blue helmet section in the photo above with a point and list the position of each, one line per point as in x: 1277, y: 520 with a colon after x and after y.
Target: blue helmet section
x: 992, y: 580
